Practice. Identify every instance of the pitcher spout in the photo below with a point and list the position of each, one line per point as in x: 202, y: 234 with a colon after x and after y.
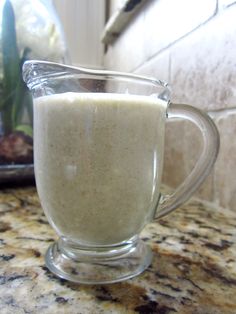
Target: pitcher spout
x: 35, y: 72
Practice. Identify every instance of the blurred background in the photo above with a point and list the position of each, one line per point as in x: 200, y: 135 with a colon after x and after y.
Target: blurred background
x: 188, y: 43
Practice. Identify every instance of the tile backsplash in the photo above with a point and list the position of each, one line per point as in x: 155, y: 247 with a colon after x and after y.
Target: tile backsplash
x: 191, y: 45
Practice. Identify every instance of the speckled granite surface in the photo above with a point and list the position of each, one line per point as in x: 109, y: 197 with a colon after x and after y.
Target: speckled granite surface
x: 193, y: 270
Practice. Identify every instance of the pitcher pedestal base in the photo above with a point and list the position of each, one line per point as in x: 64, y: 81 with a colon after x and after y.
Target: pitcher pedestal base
x: 98, y: 267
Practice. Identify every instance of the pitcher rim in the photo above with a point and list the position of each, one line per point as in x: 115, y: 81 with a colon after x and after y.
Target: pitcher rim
x: 29, y: 74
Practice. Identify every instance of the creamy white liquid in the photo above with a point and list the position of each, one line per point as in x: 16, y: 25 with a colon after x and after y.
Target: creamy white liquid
x: 98, y: 161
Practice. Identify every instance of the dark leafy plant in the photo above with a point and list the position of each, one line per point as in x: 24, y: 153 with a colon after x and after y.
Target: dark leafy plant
x: 15, y: 100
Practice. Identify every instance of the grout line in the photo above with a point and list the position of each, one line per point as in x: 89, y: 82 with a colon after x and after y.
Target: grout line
x: 217, y: 6
x: 229, y: 5
x: 224, y: 112
x: 162, y: 50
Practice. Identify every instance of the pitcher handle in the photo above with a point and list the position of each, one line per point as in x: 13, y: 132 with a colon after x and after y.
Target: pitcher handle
x: 211, y: 142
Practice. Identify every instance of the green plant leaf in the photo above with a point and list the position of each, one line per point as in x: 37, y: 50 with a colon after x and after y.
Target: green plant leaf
x: 16, y: 99
x: 11, y: 64
x: 26, y: 129
x: 29, y: 105
x: 28, y: 100
x: 22, y: 100
x: 11, y: 60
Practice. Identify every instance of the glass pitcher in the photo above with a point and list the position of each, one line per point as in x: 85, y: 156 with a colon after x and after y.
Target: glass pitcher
x: 98, y: 151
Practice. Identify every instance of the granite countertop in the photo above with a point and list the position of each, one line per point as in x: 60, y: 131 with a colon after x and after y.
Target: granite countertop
x: 193, y: 270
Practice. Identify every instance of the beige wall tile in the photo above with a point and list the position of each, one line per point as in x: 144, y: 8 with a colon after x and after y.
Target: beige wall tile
x: 157, y: 67
x: 174, y: 167
x: 203, y: 65
x: 182, y: 150
x: 201, y: 68
x: 166, y: 21
x: 225, y: 169
x: 183, y: 138
x: 193, y: 146
x: 154, y: 28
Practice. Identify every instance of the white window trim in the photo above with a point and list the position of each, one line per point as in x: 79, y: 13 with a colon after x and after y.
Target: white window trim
x: 83, y: 22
